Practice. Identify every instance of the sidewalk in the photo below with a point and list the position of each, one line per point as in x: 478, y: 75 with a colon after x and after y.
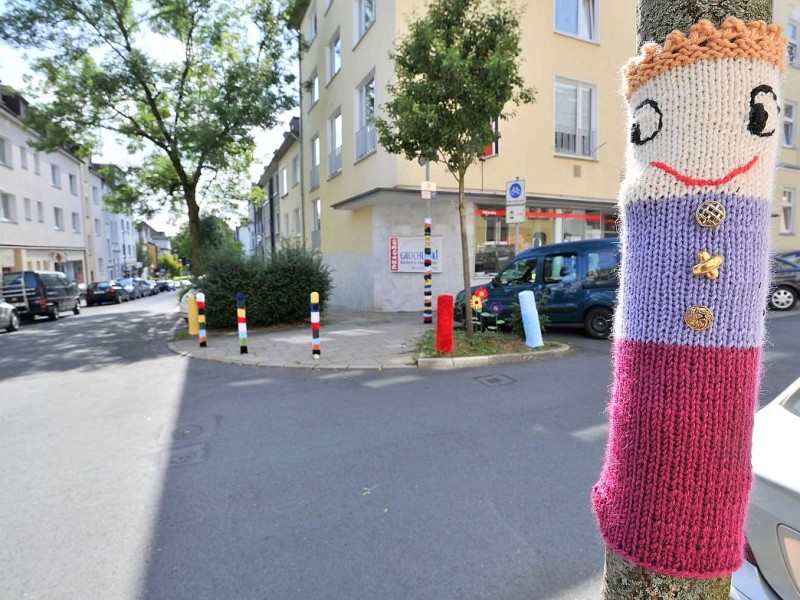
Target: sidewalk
x: 349, y: 339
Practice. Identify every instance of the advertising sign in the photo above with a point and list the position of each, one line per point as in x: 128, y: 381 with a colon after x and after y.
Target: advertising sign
x: 407, y: 254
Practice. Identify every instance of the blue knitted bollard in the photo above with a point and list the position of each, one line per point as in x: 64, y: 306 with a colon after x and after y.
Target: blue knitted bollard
x: 530, y: 319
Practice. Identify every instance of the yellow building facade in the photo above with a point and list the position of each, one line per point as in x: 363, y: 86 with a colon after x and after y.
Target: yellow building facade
x: 568, y: 148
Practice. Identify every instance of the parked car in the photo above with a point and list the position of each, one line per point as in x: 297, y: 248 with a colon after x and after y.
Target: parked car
x: 793, y: 256
x: 144, y: 287
x: 771, y: 570
x: 165, y: 285
x: 130, y: 285
x: 9, y: 319
x: 785, y: 283
x: 153, y: 285
x: 574, y: 282
x: 99, y: 292
x: 47, y: 293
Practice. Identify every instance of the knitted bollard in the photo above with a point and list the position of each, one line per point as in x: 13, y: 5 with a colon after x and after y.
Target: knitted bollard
x: 191, y: 309
x: 241, y: 322
x: 444, y: 323
x: 315, y: 345
x: 201, y: 318
x: 689, y: 326
x: 427, y: 315
x: 530, y: 319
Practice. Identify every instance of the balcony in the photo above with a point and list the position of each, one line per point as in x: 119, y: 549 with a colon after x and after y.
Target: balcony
x: 366, y: 141
x: 335, y: 162
x: 313, y: 177
x: 577, y: 142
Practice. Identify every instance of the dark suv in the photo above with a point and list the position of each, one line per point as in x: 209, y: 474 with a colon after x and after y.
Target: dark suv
x: 46, y: 293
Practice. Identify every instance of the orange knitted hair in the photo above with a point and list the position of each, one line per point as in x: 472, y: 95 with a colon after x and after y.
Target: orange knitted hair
x: 733, y: 39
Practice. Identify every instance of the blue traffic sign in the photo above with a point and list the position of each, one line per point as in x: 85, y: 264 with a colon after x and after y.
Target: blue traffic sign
x: 515, y: 190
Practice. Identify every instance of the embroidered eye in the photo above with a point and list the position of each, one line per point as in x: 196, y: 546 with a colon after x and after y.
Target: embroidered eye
x: 647, y: 122
x: 764, y: 111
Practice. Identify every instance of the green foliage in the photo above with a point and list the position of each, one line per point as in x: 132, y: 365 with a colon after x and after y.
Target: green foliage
x: 186, y: 83
x: 170, y: 264
x: 276, y: 291
x: 515, y: 318
x: 216, y: 236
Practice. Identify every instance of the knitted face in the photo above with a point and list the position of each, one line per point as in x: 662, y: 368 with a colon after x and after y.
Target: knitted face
x: 707, y: 126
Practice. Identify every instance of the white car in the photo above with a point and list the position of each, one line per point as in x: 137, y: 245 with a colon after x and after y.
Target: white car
x: 772, y: 568
x: 9, y: 319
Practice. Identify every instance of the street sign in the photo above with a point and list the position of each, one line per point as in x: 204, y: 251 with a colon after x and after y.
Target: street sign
x: 515, y: 192
x: 428, y: 190
x: 515, y: 214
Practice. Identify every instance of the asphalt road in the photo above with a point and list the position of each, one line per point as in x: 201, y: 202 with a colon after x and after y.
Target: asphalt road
x: 128, y: 472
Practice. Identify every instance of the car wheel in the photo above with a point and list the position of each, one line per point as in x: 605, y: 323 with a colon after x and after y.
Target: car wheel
x: 77, y: 309
x: 118, y: 299
x: 13, y: 321
x: 53, y: 314
x: 782, y: 298
x: 598, y: 322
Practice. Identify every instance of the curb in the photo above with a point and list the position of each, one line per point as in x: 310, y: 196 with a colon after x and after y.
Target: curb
x: 493, y: 359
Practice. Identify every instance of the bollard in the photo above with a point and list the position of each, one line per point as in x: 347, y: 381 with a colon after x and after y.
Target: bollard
x: 427, y: 315
x: 191, y: 304
x: 315, y: 346
x: 201, y: 318
x: 530, y: 319
x: 444, y: 323
x: 241, y: 321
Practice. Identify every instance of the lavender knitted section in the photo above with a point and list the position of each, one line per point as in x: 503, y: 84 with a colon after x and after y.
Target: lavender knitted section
x: 660, y: 242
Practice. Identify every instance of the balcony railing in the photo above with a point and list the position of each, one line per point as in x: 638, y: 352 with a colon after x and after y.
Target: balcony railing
x: 335, y: 162
x: 580, y: 142
x: 314, y: 177
x: 366, y: 141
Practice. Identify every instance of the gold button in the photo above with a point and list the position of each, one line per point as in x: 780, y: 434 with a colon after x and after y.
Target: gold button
x: 708, y: 266
x: 698, y: 318
x: 710, y: 213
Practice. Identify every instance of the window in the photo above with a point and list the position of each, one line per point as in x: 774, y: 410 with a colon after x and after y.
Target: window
x: 577, y: 17
x: 58, y: 218
x: 314, y: 91
x: 311, y: 24
x: 284, y: 182
x: 98, y: 227
x: 334, y: 55
x: 76, y: 223
x: 493, y: 148
x: 792, y: 32
x: 297, y: 224
x: 5, y: 152
x: 335, y: 135
x: 36, y: 168
x: 789, y: 110
x: 602, y: 266
x: 8, y: 208
x: 560, y: 268
x: 55, y: 176
x: 317, y: 208
x: 787, y: 211
x: 366, y: 141
x: 574, y: 119
x: 101, y: 267
x: 295, y: 170
x: 366, y: 15
x: 315, y: 158
x: 39, y: 211
x: 27, y: 204
x: 23, y: 157
x: 286, y: 224
x: 96, y: 195
x: 73, y: 184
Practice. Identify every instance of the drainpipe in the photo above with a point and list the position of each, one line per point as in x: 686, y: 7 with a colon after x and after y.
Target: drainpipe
x: 300, y: 133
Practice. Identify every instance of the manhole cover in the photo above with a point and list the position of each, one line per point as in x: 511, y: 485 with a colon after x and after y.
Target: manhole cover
x: 185, y: 432
x: 188, y: 455
x: 495, y: 380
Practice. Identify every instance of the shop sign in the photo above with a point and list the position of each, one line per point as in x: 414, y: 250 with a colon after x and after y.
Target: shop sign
x: 407, y: 254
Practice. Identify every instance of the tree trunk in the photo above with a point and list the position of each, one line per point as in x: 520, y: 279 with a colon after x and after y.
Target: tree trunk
x: 462, y: 213
x: 195, y: 242
x: 624, y: 580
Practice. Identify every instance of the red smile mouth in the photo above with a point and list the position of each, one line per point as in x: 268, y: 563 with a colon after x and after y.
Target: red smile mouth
x: 685, y: 179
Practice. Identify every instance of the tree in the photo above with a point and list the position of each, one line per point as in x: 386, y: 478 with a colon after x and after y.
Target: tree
x: 170, y: 264
x: 457, y: 70
x: 673, y: 493
x: 185, y: 81
x: 215, y: 234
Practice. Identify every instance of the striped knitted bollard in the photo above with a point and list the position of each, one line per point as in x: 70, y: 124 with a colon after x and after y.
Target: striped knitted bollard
x: 241, y: 321
x: 427, y: 315
x: 315, y: 347
x: 201, y: 318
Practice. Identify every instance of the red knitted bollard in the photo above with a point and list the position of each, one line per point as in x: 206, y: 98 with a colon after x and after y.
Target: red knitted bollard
x: 444, y: 323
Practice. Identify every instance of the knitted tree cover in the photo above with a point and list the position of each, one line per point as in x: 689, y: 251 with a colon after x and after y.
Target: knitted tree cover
x: 694, y: 212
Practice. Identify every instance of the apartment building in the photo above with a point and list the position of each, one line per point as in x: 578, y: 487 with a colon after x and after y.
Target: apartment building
x: 568, y: 148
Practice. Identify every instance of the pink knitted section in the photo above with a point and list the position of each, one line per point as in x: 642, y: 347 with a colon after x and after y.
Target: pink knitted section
x: 672, y: 496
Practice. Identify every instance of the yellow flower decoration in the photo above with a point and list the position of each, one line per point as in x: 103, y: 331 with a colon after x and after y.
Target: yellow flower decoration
x: 477, y: 303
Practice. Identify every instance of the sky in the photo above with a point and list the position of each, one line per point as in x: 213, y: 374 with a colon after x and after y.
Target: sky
x: 12, y: 69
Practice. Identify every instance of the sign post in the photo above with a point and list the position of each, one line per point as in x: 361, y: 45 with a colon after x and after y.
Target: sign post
x: 515, y: 207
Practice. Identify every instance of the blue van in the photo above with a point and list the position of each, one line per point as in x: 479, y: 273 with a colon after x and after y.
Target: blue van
x: 575, y: 284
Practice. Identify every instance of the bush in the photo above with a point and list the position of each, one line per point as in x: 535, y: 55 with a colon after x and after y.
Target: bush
x: 277, y: 290
x: 515, y: 318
